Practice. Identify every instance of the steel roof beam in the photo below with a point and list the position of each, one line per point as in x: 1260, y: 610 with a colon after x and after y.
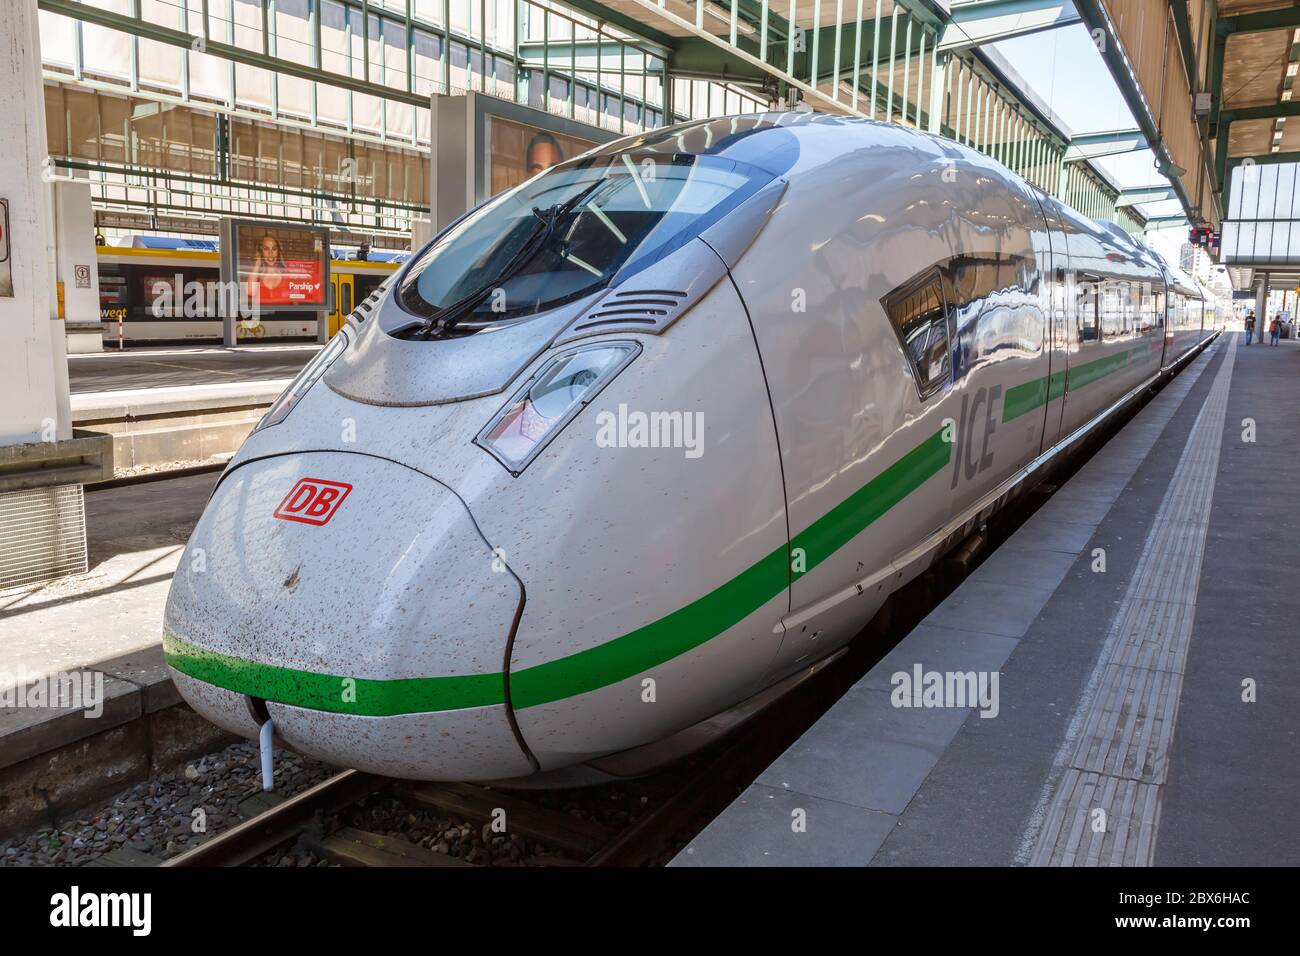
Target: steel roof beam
x: 1112, y: 143
x: 988, y: 21
x: 1271, y: 111
x: 1096, y: 18
x: 1145, y: 194
x: 1259, y: 22
x: 627, y: 24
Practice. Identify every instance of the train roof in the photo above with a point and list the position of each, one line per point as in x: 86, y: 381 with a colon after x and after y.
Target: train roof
x: 212, y: 246
x: 170, y: 242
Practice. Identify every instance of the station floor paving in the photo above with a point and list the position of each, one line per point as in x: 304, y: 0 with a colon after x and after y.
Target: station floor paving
x: 174, y: 366
x: 1144, y: 714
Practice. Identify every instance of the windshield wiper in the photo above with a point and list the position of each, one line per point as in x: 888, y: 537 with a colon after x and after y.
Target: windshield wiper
x: 448, y: 317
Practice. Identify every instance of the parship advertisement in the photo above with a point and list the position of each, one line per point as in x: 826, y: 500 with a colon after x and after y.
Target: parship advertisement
x: 282, y: 265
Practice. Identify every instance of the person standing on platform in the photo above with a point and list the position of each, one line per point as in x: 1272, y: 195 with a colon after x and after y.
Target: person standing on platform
x: 1274, y: 331
x: 1250, y: 326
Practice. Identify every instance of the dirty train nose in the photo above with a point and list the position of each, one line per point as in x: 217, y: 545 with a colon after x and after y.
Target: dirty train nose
x: 387, y: 646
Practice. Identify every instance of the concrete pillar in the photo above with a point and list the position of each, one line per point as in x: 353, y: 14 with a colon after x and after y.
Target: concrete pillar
x: 75, y: 264
x: 31, y: 337
x: 1261, y: 308
x: 421, y: 232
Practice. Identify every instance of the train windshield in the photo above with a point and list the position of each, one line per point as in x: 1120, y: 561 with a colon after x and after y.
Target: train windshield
x: 567, y: 233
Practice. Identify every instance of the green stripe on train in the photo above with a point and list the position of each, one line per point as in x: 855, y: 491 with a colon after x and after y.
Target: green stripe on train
x: 1025, y: 398
x: 336, y: 693
x: 624, y: 657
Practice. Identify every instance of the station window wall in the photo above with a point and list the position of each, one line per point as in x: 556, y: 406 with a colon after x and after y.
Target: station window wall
x: 282, y: 132
x: 621, y: 88
x: 137, y: 134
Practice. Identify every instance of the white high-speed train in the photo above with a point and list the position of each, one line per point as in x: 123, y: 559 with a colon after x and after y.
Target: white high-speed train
x: 630, y: 447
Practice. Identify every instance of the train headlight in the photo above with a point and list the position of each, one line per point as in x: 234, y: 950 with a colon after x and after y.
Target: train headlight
x: 308, y: 377
x: 550, y: 399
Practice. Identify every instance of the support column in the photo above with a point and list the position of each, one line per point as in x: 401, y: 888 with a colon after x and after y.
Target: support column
x: 30, y: 335
x: 1261, y: 308
x: 77, y: 272
x: 938, y: 89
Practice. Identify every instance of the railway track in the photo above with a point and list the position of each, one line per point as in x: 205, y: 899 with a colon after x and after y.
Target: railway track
x: 320, y: 820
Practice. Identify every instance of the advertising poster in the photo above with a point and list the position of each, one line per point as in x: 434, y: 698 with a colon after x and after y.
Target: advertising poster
x: 279, y: 266
x: 113, y: 298
x: 517, y: 151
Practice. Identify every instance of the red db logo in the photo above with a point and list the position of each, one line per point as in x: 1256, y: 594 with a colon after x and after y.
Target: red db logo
x: 312, y: 501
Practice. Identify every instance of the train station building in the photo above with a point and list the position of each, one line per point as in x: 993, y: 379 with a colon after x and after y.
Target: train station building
x: 986, y: 309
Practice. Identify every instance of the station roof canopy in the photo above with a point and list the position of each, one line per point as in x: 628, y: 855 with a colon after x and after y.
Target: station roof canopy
x: 1210, y: 84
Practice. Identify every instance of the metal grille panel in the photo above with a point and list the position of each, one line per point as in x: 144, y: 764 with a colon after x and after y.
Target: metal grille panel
x: 42, y: 535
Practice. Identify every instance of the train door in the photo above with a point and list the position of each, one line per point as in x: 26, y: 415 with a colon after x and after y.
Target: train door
x: 343, y: 289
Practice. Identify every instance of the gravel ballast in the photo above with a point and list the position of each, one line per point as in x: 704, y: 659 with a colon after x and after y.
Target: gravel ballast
x: 159, y: 817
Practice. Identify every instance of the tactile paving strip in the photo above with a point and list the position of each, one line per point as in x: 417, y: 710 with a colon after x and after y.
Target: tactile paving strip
x: 1106, y: 807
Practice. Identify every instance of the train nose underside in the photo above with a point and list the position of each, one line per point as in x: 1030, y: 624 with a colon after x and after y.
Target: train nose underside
x: 354, y: 602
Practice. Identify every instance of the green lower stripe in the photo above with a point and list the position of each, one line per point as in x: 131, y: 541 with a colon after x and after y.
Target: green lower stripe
x: 1025, y: 398
x: 850, y: 517
x: 335, y: 693
x: 626, y: 656
x: 657, y: 642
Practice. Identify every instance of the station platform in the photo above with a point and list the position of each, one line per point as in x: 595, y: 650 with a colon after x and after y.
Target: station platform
x: 179, y: 405
x: 177, y: 366
x: 1136, y: 640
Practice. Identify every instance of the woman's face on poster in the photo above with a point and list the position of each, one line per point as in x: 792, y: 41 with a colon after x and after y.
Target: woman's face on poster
x: 270, y: 249
x: 542, y: 154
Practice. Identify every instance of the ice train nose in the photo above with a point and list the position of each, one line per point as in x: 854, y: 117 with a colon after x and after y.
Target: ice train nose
x: 357, y: 599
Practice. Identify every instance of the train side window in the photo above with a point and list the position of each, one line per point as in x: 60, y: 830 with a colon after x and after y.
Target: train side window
x: 920, y: 318
x: 1089, y: 295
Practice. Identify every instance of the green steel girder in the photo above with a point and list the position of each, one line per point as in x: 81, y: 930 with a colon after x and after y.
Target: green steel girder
x: 1144, y: 194
x: 1110, y: 143
x: 826, y: 37
x: 625, y: 23
x: 1226, y: 119
x: 695, y: 57
x: 1156, y: 223
x: 1183, y: 29
x: 926, y: 11
x: 1221, y: 119
x: 1096, y: 18
x: 534, y: 54
x: 778, y: 27
x: 1270, y: 159
x: 1258, y: 22
x: 1271, y: 111
x: 988, y: 21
